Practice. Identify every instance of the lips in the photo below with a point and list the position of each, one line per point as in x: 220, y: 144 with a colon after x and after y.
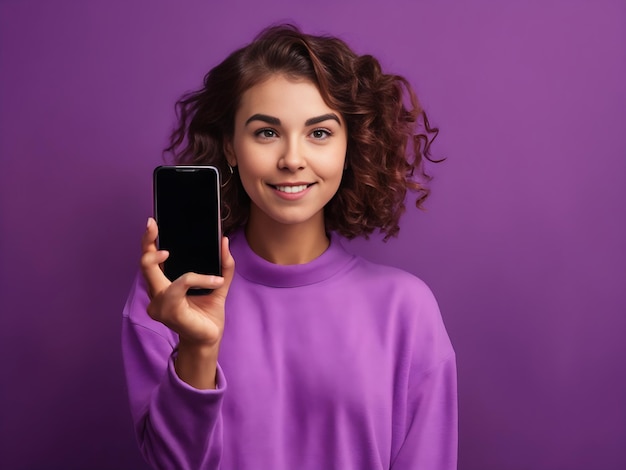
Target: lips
x: 291, y: 188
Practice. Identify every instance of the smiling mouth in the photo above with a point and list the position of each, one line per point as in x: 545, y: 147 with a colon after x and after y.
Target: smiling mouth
x: 292, y: 189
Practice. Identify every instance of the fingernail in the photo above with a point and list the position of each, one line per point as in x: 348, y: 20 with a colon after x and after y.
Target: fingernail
x: 148, y: 223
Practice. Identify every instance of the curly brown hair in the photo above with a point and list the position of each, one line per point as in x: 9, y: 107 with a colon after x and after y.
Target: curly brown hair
x: 389, y: 135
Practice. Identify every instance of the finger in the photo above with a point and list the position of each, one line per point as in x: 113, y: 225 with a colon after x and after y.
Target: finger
x: 148, y: 240
x: 151, y: 270
x: 228, y: 262
x: 193, y: 280
x: 153, y: 258
x: 228, y: 268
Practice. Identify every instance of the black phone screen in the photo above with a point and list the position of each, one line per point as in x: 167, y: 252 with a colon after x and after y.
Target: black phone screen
x: 187, y: 211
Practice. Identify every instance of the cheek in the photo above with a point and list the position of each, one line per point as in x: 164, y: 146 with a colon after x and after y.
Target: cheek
x: 250, y: 160
x: 334, y: 165
x: 249, y: 178
x: 252, y: 173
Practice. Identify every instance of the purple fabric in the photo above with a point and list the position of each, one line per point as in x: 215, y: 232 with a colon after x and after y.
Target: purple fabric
x: 338, y: 363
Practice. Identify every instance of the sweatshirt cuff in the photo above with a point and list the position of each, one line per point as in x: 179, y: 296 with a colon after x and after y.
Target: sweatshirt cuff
x: 183, y: 387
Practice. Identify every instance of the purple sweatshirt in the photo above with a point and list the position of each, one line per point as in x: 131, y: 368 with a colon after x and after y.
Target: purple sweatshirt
x: 335, y: 364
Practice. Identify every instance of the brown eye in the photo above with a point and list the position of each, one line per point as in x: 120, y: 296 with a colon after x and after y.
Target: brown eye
x: 266, y: 133
x: 320, y: 134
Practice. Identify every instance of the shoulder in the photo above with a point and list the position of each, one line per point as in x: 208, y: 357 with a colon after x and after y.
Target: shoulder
x: 409, y: 308
x: 394, y: 281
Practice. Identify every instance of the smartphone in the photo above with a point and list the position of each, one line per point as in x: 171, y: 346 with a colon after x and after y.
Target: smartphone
x: 187, y: 212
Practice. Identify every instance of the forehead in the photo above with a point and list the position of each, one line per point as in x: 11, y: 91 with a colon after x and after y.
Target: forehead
x: 282, y: 97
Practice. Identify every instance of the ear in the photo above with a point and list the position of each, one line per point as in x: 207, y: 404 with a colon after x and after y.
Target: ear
x: 229, y: 152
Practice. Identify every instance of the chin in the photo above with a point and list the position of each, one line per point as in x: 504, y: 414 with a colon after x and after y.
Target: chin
x: 295, y: 219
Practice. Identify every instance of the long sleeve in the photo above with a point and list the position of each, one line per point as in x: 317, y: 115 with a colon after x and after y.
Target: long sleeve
x: 431, y: 421
x: 177, y: 426
x: 337, y: 363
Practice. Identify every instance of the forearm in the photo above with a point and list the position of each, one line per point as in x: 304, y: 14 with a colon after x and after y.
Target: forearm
x: 177, y: 425
x: 181, y: 427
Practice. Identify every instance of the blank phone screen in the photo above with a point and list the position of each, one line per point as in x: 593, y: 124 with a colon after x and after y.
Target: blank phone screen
x: 187, y: 212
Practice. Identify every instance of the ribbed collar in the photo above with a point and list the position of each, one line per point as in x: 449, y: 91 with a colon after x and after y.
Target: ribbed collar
x: 260, y: 271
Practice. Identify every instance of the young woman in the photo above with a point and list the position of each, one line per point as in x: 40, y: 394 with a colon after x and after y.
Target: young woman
x: 304, y: 356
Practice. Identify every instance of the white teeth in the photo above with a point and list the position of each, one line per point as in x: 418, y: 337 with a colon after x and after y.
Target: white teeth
x: 292, y: 189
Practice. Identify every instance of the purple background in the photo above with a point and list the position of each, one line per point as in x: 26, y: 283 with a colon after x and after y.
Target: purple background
x: 523, y: 241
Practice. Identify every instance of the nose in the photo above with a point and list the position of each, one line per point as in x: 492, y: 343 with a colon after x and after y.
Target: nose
x: 292, y: 157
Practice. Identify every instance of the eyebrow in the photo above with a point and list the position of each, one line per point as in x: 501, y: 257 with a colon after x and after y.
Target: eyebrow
x: 265, y: 118
x: 322, y: 118
x: 309, y: 122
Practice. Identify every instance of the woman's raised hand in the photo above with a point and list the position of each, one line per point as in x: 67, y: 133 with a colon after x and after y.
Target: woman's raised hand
x: 198, y: 319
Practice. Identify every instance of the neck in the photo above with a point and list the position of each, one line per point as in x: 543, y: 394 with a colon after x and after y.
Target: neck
x: 286, y: 243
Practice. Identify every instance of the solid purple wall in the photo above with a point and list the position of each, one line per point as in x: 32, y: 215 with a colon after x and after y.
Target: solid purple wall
x: 523, y: 241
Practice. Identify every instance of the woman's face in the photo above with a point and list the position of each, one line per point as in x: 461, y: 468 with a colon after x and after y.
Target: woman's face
x: 290, y: 149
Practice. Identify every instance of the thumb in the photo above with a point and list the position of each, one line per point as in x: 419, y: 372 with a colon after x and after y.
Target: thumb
x: 228, y: 269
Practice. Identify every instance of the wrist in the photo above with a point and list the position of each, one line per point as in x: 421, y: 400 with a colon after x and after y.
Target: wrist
x: 196, y: 364
x: 198, y: 350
